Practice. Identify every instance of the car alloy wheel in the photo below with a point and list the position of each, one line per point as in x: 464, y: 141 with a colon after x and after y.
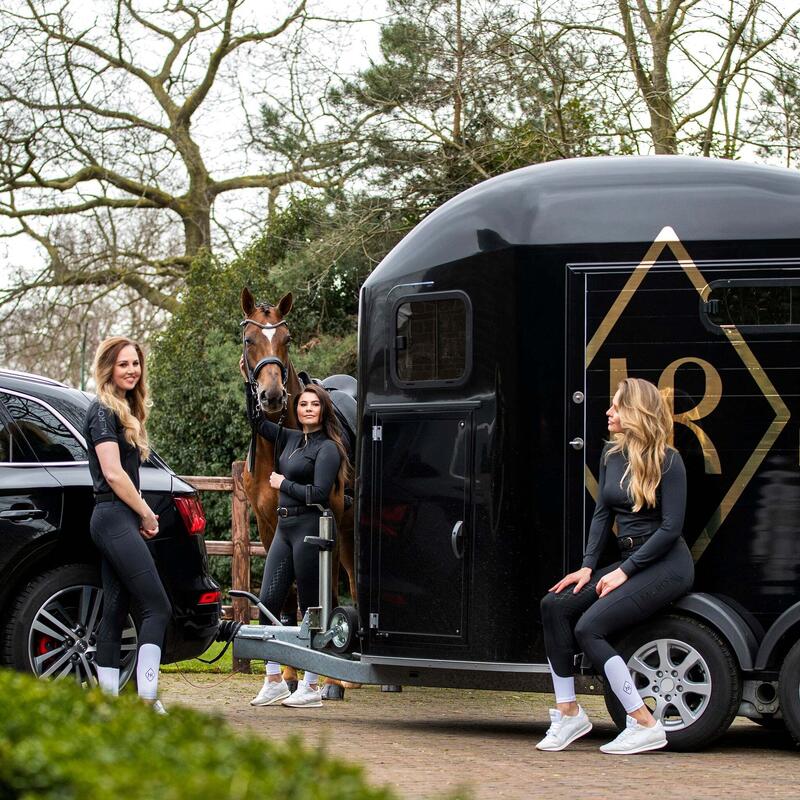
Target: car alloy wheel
x: 62, y: 639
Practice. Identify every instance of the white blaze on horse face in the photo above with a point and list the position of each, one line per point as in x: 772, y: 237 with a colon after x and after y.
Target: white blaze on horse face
x: 269, y: 333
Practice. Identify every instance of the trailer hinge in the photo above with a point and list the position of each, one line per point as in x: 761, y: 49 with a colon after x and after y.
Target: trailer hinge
x: 373, y: 621
x: 377, y: 433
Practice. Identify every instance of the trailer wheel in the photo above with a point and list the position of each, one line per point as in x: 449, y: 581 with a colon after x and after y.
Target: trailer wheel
x: 344, y: 623
x: 686, y: 675
x: 789, y: 691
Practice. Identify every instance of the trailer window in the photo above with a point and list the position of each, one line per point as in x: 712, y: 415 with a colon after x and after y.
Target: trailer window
x: 431, y: 340
x: 750, y: 304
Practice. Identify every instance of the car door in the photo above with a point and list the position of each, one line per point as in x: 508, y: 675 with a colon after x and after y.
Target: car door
x: 31, y: 499
x: 59, y: 450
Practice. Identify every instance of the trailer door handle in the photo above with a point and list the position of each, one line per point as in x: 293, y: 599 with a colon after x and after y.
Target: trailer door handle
x: 457, y: 539
x: 21, y: 514
x: 576, y: 443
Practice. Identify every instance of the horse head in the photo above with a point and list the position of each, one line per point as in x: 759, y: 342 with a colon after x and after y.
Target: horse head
x: 265, y: 346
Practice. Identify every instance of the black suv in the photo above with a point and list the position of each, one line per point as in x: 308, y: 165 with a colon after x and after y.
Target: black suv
x: 50, y: 600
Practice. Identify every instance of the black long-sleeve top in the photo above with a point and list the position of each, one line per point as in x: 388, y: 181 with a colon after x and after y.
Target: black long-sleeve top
x: 664, y: 522
x: 305, y: 460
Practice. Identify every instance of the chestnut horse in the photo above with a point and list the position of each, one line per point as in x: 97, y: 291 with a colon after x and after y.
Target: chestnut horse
x: 272, y: 381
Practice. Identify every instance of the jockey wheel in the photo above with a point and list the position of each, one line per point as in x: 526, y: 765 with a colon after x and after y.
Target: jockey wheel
x: 344, y: 627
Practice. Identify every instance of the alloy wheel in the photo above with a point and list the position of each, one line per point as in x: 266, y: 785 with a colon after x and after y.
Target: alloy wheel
x: 673, y: 679
x: 62, y: 640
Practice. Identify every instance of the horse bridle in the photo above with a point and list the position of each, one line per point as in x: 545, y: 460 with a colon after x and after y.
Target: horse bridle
x: 253, y: 410
x: 252, y: 372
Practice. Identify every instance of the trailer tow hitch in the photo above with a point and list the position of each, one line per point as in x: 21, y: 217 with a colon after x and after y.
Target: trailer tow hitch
x: 322, y: 629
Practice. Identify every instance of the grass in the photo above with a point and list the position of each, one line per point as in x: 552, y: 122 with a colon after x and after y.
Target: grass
x: 224, y: 665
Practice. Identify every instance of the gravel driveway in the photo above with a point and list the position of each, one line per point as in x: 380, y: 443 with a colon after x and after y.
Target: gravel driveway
x: 426, y: 742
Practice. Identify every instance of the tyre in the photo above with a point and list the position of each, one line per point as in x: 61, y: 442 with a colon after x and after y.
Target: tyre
x: 789, y: 691
x: 686, y: 675
x: 344, y: 623
x: 52, y: 626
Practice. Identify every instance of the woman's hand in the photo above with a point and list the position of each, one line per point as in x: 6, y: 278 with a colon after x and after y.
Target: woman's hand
x: 148, y: 525
x: 580, y: 578
x: 241, y: 367
x: 610, y: 582
x: 275, y: 480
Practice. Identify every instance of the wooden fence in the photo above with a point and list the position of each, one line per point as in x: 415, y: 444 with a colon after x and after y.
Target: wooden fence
x: 240, y: 548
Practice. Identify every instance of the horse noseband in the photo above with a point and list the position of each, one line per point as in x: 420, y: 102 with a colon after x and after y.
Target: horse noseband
x: 271, y: 360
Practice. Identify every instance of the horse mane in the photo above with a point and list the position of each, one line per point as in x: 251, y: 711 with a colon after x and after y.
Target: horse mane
x: 265, y: 307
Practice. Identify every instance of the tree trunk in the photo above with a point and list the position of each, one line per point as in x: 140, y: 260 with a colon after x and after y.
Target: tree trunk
x: 197, y: 228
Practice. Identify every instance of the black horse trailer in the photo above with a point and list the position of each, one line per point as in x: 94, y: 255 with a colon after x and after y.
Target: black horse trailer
x: 490, y: 342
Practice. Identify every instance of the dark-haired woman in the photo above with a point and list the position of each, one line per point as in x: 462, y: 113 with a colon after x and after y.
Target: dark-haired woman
x: 311, y: 462
x: 121, y: 521
x: 643, y: 488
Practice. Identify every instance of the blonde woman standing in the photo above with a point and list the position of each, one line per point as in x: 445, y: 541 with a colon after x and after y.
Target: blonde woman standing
x: 642, y: 487
x: 116, y: 437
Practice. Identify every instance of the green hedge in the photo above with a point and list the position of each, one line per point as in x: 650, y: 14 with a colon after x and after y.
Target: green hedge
x: 58, y: 742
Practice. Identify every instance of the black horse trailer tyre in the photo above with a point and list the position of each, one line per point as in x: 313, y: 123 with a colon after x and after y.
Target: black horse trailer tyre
x: 686, y: 675
x: 344, y: 620
x: 53, y: 623
x: 789, y: 691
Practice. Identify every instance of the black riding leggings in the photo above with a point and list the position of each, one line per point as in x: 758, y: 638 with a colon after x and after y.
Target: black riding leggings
x: 290, y: 558
x: 128, y: 572
x: 583, y: 621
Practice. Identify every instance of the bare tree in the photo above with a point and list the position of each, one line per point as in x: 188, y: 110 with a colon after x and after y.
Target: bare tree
x: 56, y: 332
x: 695, y: 67
x: 108, y: 141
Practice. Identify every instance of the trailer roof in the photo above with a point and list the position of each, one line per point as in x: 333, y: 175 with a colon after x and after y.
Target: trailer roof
x: 625, y: 199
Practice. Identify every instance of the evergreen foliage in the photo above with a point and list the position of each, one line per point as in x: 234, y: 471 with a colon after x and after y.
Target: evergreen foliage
x: 59, y: 742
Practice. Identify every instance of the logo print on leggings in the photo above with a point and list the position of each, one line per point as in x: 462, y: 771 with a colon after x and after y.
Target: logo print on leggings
x: 150, y: 674
x: 627, y: 688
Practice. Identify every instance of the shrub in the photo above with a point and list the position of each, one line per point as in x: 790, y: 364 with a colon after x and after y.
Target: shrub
x: 58, y: 742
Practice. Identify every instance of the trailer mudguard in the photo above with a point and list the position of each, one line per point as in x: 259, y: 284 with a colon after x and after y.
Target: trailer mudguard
x: 722, y: 617
x: 785, y: 621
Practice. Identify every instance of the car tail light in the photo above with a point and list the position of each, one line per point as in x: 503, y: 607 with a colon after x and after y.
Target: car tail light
x: 191, y: 511
x: 208, y: 597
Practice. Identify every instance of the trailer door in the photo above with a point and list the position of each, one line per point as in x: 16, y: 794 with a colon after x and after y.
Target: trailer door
x: 623, y: 319
x: 422, y: 534
x: 720, y: 339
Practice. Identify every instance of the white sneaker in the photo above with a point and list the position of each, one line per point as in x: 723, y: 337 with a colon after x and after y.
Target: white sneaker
x: 564, y: 730
x: 271, y: 692
x: 305, y: 697
x: 158, y: 707
x: 637, y: 738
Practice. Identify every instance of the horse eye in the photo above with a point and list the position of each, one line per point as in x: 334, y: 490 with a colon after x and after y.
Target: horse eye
x: 248, y: 340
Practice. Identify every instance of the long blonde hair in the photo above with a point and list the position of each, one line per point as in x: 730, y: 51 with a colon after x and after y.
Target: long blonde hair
x: 646, y: 424
x: 132, y: 410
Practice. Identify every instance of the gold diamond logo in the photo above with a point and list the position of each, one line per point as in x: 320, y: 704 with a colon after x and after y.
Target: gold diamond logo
x: 667, y: 239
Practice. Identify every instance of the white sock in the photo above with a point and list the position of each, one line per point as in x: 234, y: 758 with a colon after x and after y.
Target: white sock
x: 621, y: 683
x: 310, y: 678
x: 108, y: 678
x: 273, y: 668
x: 563, y: 687
x: 147, y: 671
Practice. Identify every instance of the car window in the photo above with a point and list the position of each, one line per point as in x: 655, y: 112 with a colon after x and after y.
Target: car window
x: 47, y: 436
x: 12, y: 447
x: 71, y: 406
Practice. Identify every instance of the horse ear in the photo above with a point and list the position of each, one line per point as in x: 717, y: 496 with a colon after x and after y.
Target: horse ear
x: 248, y: 304
x: 285, y: 304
